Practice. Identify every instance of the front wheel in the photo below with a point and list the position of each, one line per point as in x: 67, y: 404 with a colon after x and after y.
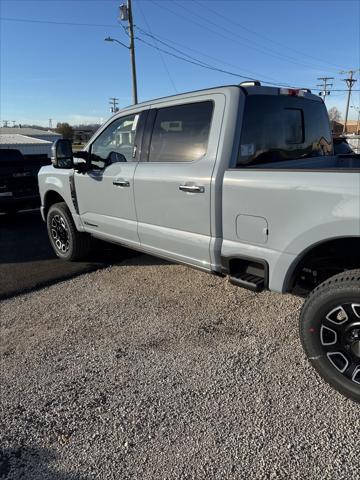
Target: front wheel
x: 330, y: 332
x: 67, y: 242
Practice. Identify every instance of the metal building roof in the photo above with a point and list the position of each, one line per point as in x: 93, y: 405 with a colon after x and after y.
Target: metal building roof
x: 15, y: 139
x: 27, y: 131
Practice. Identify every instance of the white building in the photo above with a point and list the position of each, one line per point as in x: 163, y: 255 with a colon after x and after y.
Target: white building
x: 47, y: 135
x: 26, y: 145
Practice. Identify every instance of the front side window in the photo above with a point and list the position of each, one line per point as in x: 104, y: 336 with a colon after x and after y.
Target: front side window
x: 181, y: 133
x: 116, y: 142
x: 278, y: 128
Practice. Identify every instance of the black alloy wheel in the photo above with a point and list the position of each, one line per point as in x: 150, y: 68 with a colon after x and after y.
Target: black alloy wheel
x: 60, y: 233
x: 330, y: 332
x: 340, y: 339
x: 67, y: 242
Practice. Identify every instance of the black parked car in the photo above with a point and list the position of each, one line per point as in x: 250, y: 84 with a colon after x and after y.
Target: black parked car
x: 18, y: 180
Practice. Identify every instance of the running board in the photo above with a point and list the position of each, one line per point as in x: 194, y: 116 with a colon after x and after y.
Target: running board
x: 249, y: 281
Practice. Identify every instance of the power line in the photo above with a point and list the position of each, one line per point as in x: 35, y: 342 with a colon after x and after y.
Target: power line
x: 159, y: 51
x: 159, y: 39
x: 195, y: 61
x: 268, y: 39
x: 262, y: 50
x: 199, y: 63
x: 54, y: 22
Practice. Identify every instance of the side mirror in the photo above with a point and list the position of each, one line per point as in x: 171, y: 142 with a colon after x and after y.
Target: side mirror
x: 62, y: 154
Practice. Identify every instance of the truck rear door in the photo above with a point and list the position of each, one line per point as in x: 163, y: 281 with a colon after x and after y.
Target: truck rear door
x: 173, y: 179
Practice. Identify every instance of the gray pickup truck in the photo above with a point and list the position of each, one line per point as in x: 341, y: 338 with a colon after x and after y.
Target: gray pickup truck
x: 239, y: 181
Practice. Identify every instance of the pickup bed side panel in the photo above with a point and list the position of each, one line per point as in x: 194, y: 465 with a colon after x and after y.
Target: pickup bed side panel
x: 277, y: 215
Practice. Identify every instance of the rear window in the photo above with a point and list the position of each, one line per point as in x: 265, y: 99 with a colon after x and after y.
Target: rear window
x: 277, y: 128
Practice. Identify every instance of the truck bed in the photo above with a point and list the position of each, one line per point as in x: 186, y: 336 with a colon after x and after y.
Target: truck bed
x: 277, y: 216
x: 335, y: 162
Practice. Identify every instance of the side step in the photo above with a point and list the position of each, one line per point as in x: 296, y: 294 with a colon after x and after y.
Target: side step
x: 249, y: 281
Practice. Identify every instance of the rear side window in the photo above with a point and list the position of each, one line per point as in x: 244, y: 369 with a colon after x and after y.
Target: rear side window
x: 277, y: 128
x: 181, y: 133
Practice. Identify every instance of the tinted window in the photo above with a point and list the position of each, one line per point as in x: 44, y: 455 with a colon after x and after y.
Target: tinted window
x: 181, y: 133
x: 280, y: 127
x: 293, y: 125
x: 116, y: 142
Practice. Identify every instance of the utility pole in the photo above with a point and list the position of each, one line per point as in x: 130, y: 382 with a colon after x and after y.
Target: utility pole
x: 324, y: 86
x: 358, y: 119
x: 114, y: 102
x: 50, y: 123
x: 126, y: 14
x: 132, y: 52
x: 349, y: 82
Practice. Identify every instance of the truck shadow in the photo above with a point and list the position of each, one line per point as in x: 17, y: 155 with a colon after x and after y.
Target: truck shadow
x: 27, y: 260
x: 29, y: 462
x: 23, y: 238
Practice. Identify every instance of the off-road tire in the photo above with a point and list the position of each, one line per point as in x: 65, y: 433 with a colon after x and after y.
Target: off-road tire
x: 335, y: 299
x: 74, y: 245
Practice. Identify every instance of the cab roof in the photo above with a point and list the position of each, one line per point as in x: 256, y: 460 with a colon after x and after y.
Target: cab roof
x: 248, y: 88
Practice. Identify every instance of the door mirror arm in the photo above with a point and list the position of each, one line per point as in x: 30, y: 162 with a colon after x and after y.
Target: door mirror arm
x: 80, y: 166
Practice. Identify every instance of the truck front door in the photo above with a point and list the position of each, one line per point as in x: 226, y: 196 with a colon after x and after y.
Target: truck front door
x: 105, y: 194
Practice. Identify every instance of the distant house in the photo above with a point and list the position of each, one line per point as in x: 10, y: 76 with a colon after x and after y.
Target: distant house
x: 46, y: 135
x: 351, y: 128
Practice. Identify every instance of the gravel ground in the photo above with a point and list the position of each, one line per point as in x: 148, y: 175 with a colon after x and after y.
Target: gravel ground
x: 149, y: 370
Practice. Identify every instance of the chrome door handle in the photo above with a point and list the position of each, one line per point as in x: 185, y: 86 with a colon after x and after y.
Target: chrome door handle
x: 121, y: 183
x: 192, y: 188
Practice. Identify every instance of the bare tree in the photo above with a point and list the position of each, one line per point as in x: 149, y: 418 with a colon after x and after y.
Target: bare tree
x: 334, y: 114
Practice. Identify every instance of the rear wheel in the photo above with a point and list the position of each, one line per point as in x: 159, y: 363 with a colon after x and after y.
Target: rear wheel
x: 330, y: 332
x: 67, y: 242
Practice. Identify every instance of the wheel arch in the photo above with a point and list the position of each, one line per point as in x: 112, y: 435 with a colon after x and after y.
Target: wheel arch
x: 344, y: 253
x: 51, y: 197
